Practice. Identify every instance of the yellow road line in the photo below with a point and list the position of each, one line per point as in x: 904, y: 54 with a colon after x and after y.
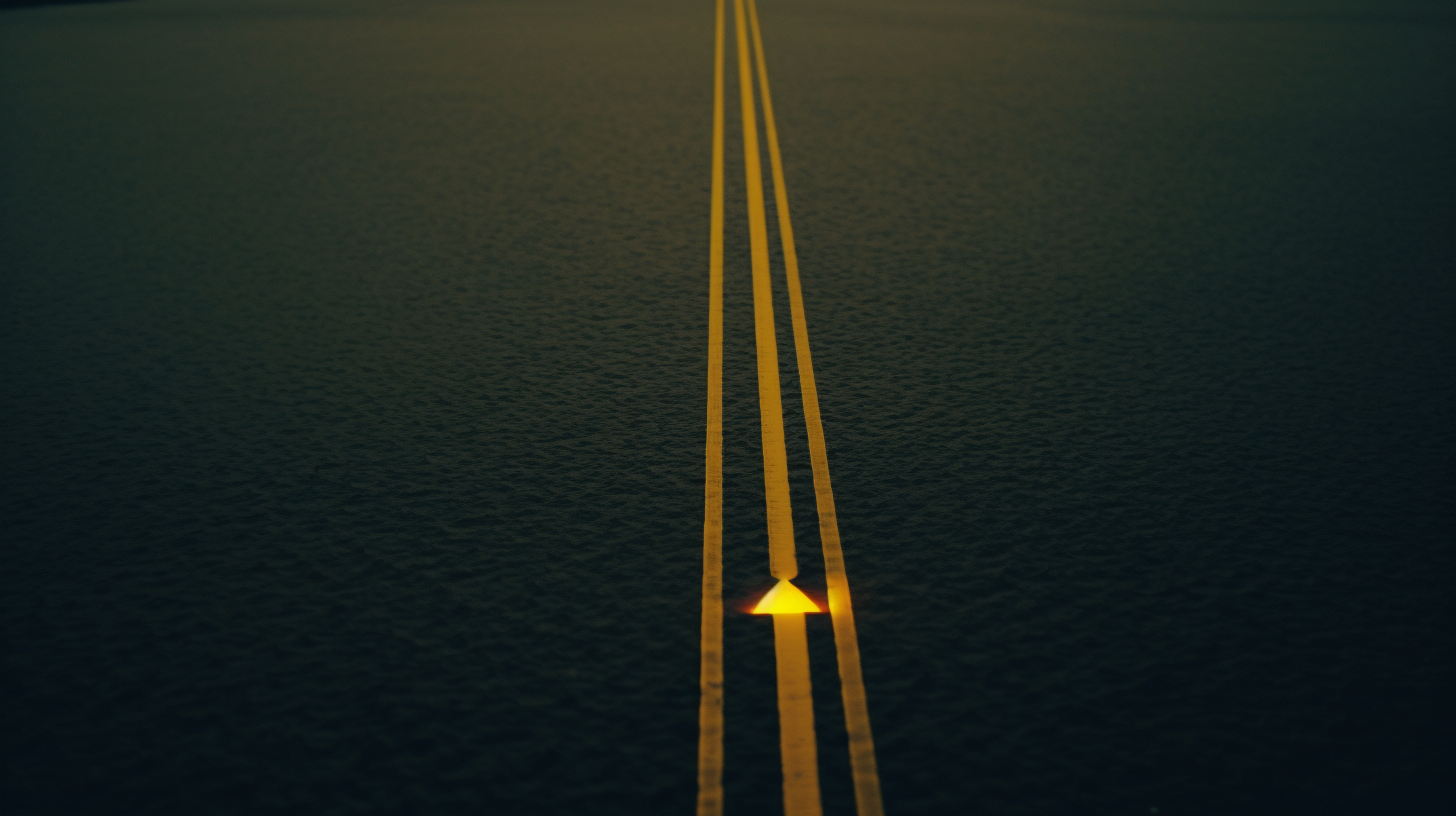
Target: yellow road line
x: 797, y: 747
x: 710, y: 704
x: 796, y: 717
x: 782, y: 563
x: 846, y: 641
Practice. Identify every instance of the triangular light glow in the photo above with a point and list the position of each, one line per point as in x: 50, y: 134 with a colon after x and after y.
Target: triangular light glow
x: 785, y: 599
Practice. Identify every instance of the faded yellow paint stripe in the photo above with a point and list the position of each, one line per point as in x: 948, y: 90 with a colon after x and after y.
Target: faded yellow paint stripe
x: 796, y: 717
x: 710, y: 702
x: 846, y: 640
x: 781, y: 560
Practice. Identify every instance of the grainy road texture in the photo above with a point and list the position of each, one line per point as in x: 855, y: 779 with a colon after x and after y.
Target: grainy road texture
x: 353, y: 398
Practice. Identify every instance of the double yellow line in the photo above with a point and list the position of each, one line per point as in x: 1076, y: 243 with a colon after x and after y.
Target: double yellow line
x: 797, y: 743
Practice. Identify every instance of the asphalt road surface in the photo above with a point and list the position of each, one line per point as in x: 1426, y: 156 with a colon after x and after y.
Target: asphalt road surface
x: 354, y: 386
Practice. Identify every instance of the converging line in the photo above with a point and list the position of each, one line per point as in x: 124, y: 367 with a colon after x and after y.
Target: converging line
x: 798, y: 749
x: 782, y: 563
x: 796, y: 715
x: 710, y: 704
x: 846, y: 641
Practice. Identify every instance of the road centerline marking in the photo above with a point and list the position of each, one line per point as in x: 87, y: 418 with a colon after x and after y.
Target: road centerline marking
x: 863, y: 766
x: 782, y: 563
x: 710, y: 702
x: 798, y: 749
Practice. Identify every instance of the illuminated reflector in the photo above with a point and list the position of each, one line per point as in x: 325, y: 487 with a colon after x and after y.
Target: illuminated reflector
x: 785, y: 599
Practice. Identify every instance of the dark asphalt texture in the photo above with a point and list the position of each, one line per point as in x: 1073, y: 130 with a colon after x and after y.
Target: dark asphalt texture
x: 354, y: 384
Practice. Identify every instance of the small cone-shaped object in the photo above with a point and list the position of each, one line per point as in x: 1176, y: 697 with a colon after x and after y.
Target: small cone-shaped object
x: 785, y: 599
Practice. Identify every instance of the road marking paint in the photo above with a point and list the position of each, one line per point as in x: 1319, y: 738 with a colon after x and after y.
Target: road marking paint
x: 796, y: 717
x: 710, y: 703
x: 846, y: 640
x: 798, y: 751
x: 782, y: 563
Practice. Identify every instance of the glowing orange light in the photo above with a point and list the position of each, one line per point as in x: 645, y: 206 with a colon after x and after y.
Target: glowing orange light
x: 785, y: 599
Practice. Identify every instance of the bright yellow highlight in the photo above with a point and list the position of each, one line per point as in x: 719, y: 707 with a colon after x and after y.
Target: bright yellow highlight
x: 785, y: 599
